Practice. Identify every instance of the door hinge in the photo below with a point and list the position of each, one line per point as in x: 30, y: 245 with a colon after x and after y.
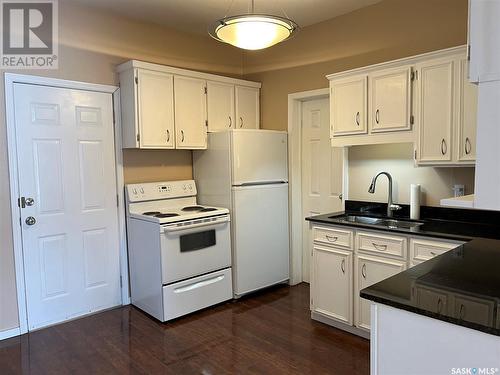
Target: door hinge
x: 136, y: 80
x: 415, y: 153
x: 206, y: 90
x: 468, y: 52
x: 138, y: 137
x: 206, y: 123
x: 117, y: 201
x: 121, y: 281
x: 412, y: 119
x: 412, y: 75
x: 114, y: 116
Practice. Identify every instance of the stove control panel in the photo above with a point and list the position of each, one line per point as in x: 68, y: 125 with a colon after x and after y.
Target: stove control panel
x: 160, y: 190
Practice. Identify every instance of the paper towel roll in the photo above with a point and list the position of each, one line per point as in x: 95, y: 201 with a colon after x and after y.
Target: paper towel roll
x: 414, y: 201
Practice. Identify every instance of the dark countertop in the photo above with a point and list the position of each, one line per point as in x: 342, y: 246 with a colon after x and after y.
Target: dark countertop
x: 464, y: 282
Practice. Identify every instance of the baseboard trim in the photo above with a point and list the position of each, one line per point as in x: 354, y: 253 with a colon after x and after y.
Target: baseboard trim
x: 345, y: 327
x: 10, y: 333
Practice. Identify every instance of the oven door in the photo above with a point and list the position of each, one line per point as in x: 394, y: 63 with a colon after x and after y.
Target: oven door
x: 194, y: 248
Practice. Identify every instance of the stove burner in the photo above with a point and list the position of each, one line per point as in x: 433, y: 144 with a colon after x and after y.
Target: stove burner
x: 151, y: 213
x: 193, y: 208
x: 208, y: 209
x: 166, y: 215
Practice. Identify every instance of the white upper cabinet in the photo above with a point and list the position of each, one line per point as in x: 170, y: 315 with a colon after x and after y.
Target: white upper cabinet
x: 390, y: 99
x: 247, y: 107
x: 220, y: 106
x: 435, y: 110
x: 170, y: 108
x: 155, y: 102
x: 190, y: 112
x: 467, y: 117
x: 348, y: 105
x: 484, y: 39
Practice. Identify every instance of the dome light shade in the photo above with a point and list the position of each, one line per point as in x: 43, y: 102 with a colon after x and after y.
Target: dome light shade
x: 253, y: 31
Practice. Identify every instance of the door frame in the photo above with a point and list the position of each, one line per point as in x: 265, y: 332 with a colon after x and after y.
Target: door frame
x: 10, y: 80
x: 295, y: 101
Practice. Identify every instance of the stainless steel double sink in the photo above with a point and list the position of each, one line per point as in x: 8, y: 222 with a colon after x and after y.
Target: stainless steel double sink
x: 382, y: 222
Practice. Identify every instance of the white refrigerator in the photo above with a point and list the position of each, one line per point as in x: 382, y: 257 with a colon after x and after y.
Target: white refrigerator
x: 247, y: 171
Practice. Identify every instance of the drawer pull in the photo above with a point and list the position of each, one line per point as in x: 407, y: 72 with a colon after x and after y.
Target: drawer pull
x: 357, y: 118
x: 342, y: 266
x: 468, y: 146
x: 433, y: 253
x: 379, y: 247
x: 331, y: 238
x: 462, y: 311
x: 377, y: 116
x: 444, y: 147
x: 363, y: 271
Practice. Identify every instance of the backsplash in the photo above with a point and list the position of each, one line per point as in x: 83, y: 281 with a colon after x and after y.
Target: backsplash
x: 397, y: 159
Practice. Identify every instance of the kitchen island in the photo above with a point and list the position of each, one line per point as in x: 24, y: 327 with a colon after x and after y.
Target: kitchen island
x: 432, y: 312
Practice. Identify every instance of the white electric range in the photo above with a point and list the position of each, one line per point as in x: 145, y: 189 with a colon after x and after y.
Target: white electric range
x: 179, y: 251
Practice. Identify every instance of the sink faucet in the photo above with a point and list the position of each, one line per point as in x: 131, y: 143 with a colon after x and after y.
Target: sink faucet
x: 390, y: 205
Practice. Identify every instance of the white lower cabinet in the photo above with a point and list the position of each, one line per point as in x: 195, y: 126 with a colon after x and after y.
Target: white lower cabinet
x: 332, y: 287
x: 370, y: 270
x: 345, y: 260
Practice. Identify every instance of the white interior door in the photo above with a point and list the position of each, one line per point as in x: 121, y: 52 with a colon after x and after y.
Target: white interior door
x: 322, y: 171
x: 65, y: 149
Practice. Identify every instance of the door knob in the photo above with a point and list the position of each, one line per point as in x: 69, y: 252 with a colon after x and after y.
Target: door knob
x: 29, y: 201
x: 30, y: 220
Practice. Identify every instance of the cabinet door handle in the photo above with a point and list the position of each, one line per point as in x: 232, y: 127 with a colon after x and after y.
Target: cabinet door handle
x: 168, y: 135
x: 379, y: 247
x: 241, y: 122
x: 331, y: 238
x: 462, y: 311
x: 440, y: 306
x: 468, y: 146
x: 433, y: 253
x: 230, y: 121
x: 444, y: 147
x: 357, y: 118
x: 377, y: 116
x: 363, y: 271
x: 182, y: 135
x: 342, y: 266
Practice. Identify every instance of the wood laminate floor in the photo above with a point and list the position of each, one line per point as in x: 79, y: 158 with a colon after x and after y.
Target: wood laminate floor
x: 267, y: 333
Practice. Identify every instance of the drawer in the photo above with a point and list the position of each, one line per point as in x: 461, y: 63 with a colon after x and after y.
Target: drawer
x: 392, y: 246
x: 333, y: 236
x: 431, y: 299
x: 474, y: 310
x: 197, y: 293
x: 422, y: 250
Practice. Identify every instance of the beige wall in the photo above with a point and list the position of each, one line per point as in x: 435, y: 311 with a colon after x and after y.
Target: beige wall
x: 436, y: 183
x: 92, y: 43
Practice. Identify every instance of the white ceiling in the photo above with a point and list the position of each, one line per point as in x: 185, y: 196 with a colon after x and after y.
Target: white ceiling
x: 196, y: 15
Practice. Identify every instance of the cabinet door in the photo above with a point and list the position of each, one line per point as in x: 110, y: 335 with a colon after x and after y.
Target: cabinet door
x: 435, y: 109
x: 467, y: 120
x: 368, y: 271
x: 247, y: 107
x: 348, y: 105
x: 390, y: 100
x: 155, y: 106
x: 220, y: 106
x: 331, y: 287
x: 190, y: 113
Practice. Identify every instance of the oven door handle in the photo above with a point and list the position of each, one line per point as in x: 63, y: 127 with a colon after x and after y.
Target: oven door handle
x: 208, y: 223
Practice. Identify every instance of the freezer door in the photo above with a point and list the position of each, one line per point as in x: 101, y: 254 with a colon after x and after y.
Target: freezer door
x: 260, y: 236
x: 259, y: 156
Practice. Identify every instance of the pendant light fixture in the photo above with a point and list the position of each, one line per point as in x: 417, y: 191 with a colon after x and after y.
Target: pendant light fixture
x: 253, y: 31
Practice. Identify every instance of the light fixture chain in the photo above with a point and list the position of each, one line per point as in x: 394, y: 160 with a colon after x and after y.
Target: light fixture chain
x: 231, y: 3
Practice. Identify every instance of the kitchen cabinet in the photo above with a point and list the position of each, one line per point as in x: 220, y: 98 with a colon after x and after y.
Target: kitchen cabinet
x: 247, y: 107
x: 467, y: 120
x: 164, y: 107
x: 435, y: 107
x: 390, y: 99
x: 348, y: 105
x: 190, y: 113
x: 332, y: 286
x: 369, y: 270
x: 422, y: 249
x: 484, y: 37
x: 220, y: 106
